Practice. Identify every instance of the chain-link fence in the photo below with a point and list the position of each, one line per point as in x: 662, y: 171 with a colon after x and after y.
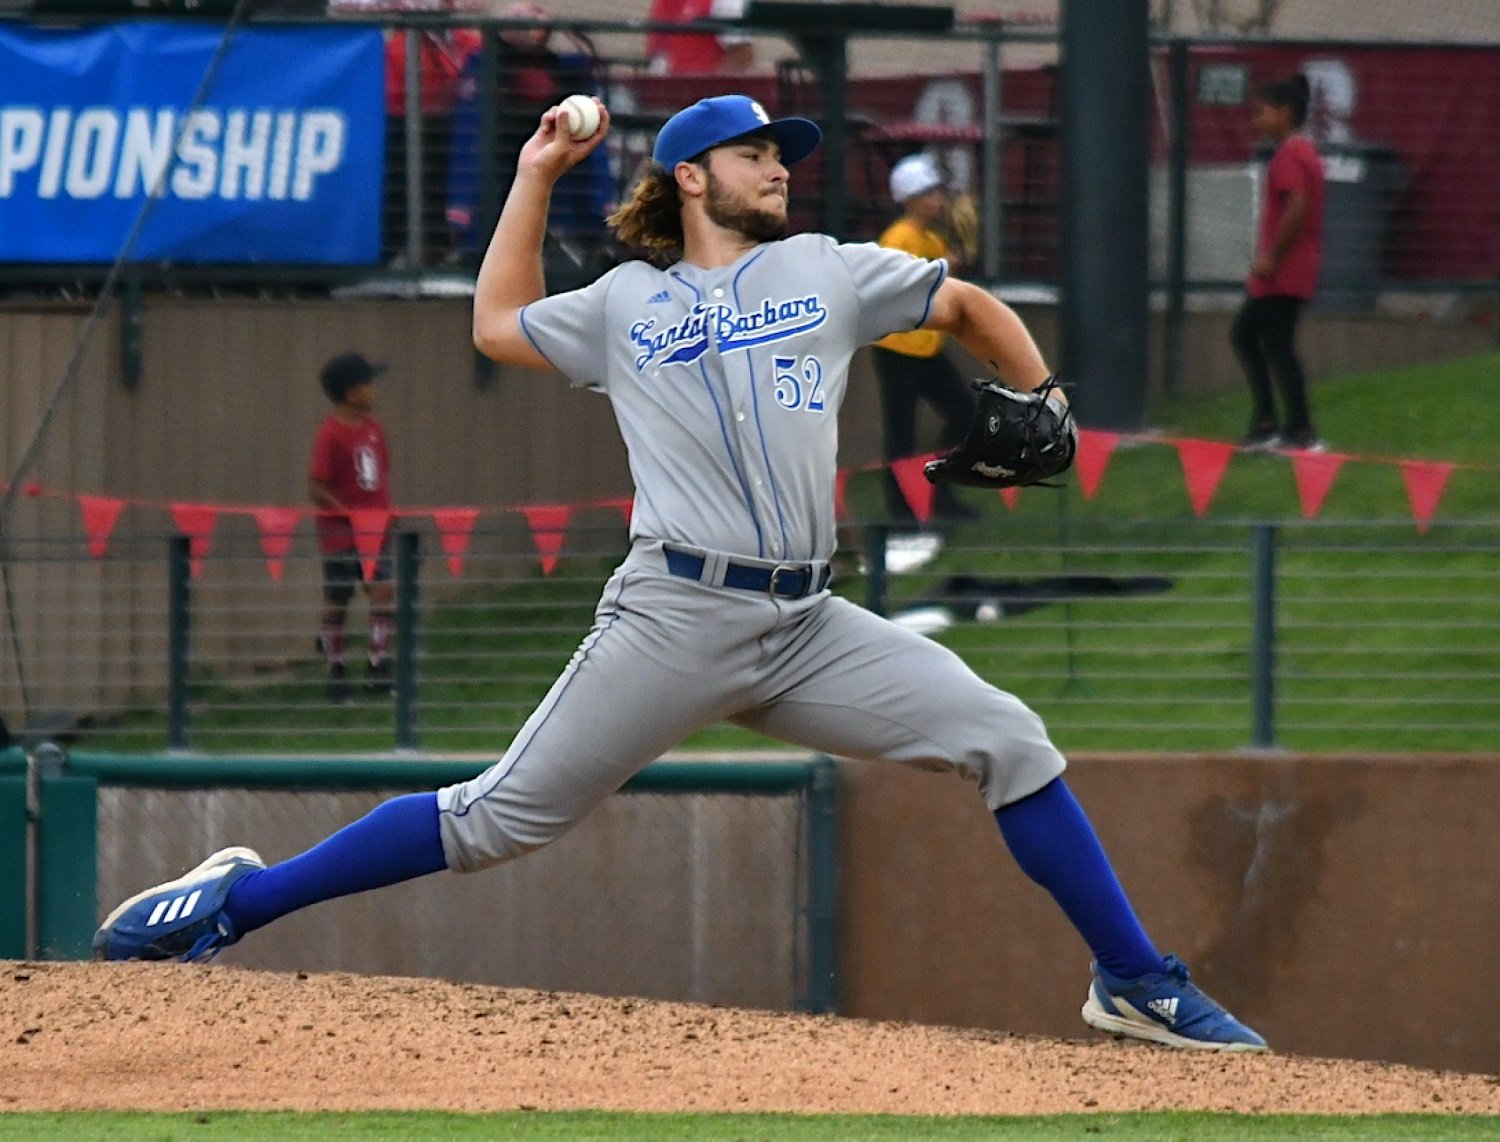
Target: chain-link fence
x: 1407, y: 130
x: 1130, y: 635
x: 1137, y: 635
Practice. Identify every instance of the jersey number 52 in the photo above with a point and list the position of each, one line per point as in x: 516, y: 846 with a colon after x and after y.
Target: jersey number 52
x: 799, y: 383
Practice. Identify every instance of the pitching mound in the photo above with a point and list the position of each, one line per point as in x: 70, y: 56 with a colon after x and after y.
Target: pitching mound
x: 167, y: 1037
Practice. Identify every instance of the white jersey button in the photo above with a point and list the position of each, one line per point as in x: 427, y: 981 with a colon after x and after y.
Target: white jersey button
x: 718, y: 293
x: 739, y: 416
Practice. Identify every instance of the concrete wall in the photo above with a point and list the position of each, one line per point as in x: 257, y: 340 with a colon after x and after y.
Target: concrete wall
x: 682, y: 897
x: 1343, y: 906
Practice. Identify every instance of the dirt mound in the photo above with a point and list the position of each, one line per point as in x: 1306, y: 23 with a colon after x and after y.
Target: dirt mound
x: 168, y: 1037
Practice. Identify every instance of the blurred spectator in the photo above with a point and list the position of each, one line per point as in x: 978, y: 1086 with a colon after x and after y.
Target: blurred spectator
x: 531, y: 76
x: 698, y: 53
x: 1284, y: 274
x: 961, y: 229
x: 441, y: 56
x: 350, y: 470
x: 912, y: 367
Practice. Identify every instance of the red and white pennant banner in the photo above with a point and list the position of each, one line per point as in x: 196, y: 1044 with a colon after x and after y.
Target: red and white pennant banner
x: 1203, y: 462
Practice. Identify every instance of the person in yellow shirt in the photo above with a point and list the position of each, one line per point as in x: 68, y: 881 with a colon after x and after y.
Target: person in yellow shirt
x: 912, y: 366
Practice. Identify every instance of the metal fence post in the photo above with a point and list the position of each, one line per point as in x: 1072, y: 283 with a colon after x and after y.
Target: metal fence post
x: 822, y: 888
x: 413, y: 138
x: 179, y: 625
x: 991, y: 204
x: 132, y: 328
x: 876, y: 537
x: 1263, y: 635
x: 408, y: 566
x: 1177, y: 206
x: 66, y: 857
x: 15, y: 888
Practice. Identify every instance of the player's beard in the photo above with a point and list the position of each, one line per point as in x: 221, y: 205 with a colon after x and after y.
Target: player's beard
x: 753, y: 222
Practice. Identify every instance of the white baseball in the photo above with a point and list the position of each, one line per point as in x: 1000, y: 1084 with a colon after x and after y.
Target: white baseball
x: 582, y: 114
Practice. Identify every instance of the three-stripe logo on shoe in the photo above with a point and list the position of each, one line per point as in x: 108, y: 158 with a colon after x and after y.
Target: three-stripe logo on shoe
x: 174, y: 908
x: 1164, y: 1009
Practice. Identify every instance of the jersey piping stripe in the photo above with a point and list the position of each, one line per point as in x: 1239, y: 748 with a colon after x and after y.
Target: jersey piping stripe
x: 583, y: 654
x: 765, y: 448
x: 760, y: 541
x: 521, y: 316
x: 932, y: 293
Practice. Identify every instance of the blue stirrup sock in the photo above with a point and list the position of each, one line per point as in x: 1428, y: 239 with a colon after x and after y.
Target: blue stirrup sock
x: 1053, y: 842
x: 396, y: 841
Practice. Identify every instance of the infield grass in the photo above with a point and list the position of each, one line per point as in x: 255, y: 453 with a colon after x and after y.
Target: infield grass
x: 608, y: 1127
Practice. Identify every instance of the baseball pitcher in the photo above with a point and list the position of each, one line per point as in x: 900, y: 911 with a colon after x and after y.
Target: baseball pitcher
x: 725, y: 359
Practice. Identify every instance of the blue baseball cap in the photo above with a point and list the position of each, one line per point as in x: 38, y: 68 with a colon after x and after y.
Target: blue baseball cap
x: 710, y: 122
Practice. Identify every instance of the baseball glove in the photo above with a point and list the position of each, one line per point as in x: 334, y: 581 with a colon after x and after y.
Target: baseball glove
x: 1015, y: 439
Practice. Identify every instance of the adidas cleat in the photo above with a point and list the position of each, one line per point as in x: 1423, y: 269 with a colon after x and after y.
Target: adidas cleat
x: 181, y: 919
x: 1164, y: 1007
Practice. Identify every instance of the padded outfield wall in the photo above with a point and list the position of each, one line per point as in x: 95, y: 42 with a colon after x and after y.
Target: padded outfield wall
x: 1343, y: 905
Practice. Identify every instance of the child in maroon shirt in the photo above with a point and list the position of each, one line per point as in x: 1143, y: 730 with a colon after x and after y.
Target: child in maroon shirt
x: 1284, y: 274
x: 350, y: 470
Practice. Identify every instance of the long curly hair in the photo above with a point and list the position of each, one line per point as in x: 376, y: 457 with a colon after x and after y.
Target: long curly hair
x: 652, y: 218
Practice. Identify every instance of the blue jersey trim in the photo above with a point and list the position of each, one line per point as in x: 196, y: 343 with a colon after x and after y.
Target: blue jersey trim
x: 521, y: 317
x: 760, y: 430
x: 760, y: 542
x: 932, y: 293
x: 583, y: 656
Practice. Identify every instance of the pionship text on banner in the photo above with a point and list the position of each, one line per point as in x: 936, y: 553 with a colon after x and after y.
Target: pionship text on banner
x: 280, y: 160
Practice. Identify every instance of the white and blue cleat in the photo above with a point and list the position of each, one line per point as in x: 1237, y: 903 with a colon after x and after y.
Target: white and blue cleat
x: 181, y: 919
x: 1165, y: 1007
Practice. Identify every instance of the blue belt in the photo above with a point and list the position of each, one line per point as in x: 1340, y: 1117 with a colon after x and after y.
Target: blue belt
x: 786, y: 581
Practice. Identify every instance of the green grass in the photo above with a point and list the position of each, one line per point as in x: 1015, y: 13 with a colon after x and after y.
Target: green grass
x: 1394, y: 649
x: 586, y: 1126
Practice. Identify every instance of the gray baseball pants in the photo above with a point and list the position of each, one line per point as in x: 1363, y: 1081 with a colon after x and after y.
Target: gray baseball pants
x: 668, y: 656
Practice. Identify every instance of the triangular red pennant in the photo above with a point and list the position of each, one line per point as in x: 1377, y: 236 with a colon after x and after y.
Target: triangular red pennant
x: 624, y: 506
x: 1011, y: 496
x: 1314, y: 473
x: 455, y: 526
x: 1094, y: 450
x: 196, y: 521
x: 276, y: 527
x: 369, y: 526
x: 548, y: 521
x: 1203, y: 464
x: 1425, y: 481
x: 917, y: 489
x: 99, y: 516
x: 841, y: 494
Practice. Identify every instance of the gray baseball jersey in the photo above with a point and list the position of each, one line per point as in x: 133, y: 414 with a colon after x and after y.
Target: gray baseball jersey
x: 726, y: 384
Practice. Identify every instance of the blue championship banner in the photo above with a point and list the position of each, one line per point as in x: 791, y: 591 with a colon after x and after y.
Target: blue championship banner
x: 281, y: 162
